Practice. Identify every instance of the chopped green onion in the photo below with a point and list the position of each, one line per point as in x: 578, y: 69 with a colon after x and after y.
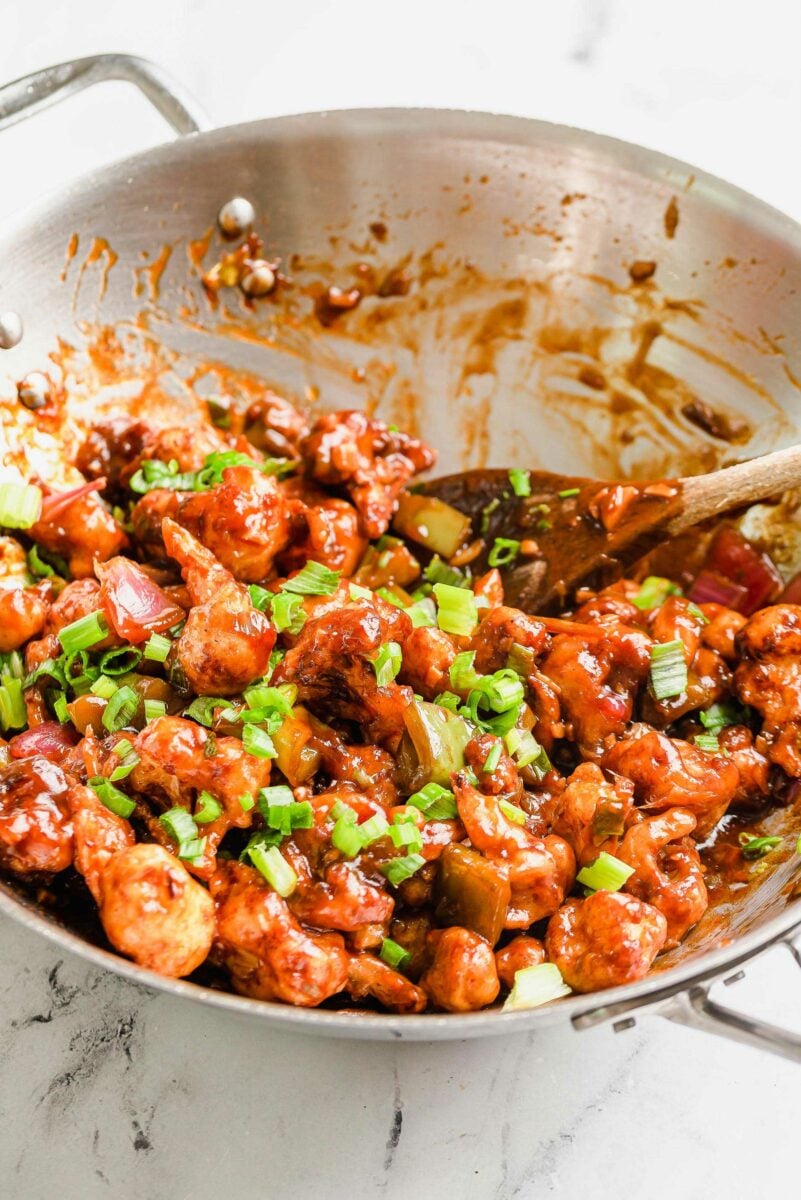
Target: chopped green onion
x: 438, y: 571
x: 568, y: 493
x: 457, y: 612
x: 13, y: 713
x: 757, y: 847
x: 275, y: 869
x: 120, y: 661
x: 345, y: 835
x: 387, y: 663
x: 258, y: 742
x: 202, y: 709
x: 520, y: 481
x: 503, y: 690
x: 153, y: 473
x: 447, y: 700
x: 718, y: 716
x: 157, y: 648
x: 85, y: 632
x: 278, y: 794
x: 104, y: 687
x: 534, y: 986
x: 208, y: 809
x: 397, y: 870
x: 246, y: 802
x: 122, y: 747
x: 20, y: 505
x: 313, y: 580
x: 128, y: 760
x: 707, y: 741
x: 504, y: 551
x: 114, y: 800
x: 60, y: 708
x: 462, y: 673
x: 181, y: 827
x: 512, y: 812
x: 487, y: 512
x: 37, y: 565
x: 406, y: 834
x: 357, y: 592
x: 668, y: 669
x: 154, y: 709
x: 286, y: 613
x: 521, y: 660
x: 260, y: 597
x: 606, y: 874
x: 695, y: 611
x: 120, y: 709
x: 394, y: 955
x: 654, y: 591
x: 373, y: 828
x: 437, y: 803
x: 423, y: 614
x: 492, y: 759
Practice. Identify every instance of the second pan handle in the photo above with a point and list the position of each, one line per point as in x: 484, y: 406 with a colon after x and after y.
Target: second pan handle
x: 29, y: 95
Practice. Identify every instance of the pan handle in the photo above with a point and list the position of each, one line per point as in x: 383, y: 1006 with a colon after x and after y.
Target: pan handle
x: 32, y: 93
x: 695, y: 1008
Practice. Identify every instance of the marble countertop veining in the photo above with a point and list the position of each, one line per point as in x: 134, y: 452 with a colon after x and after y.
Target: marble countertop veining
x: 110, y: 1090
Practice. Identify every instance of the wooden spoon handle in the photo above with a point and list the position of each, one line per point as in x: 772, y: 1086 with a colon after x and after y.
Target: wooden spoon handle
x: 706, y: 496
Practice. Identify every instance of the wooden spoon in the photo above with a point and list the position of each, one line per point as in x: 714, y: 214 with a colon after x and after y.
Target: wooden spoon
x: 570, y: 529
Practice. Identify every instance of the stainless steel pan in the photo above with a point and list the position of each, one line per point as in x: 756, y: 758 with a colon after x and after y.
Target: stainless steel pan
x: 518, y: 238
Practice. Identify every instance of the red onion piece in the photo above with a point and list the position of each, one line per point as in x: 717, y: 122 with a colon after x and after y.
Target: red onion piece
x: 710, y: 588
x: 134, y: 604
x: 54, y: 505
x: 733, y: 557
x: 49, y: 739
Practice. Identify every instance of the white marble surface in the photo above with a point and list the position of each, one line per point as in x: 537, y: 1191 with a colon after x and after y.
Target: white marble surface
x: 108, y: 1090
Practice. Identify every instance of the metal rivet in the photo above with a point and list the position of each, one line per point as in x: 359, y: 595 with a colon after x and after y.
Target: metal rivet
x: 10, y: 330
x: 259, y: 278
x: 34, y: 390
x: 622, y: 1026
x: 734, y: 979
x: 236, y: 217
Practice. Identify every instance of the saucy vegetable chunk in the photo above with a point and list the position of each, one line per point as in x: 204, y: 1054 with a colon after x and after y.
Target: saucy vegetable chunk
x: 262, y: 711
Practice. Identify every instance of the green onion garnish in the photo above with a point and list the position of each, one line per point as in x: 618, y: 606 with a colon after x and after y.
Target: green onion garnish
x: 399, y: 869
x: 313, y: 580
x: 60, y: 708
x: 260, y: 597
x: 503, y: 690
x: 668, y: 669
x: 387, y: 663
x: 85, y: 632
x: 707, y: 741
x: 757, y: 847
x: 504, y: 551
x: 520, y: 481
x: 120, y: 661
x: 208, y: 809
x: 405, y: 834
x: 568, y: 493
x: 492, y: 759
x: 357, y: 592
x: 463, y: 674
x: 437, y: 803
x: 20, y: 505
x: 512, y: 812
x: 120, y: 709
x: 37, y: 565
x: 345, y: 835
x: 286, y: 613
x: 457, y: 612
x: 438, y: 571
x: 104, y: 687
x: 258, y: 742
x: 128, y: 760
x: 534, y: 986
x: 718, y: 716
x: 202, y: 709
x: 157, y: 648
x: 606, y: 874
x: 394, y: 955
x: 373, y: 828
x: 111, y: 796
x: 181, y: 827
x: 695, y: 611
x: 154, y: 709
x: 274, y: 867
x: 278, y: 794
x: 654, y: 591
x: 13, y: 713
